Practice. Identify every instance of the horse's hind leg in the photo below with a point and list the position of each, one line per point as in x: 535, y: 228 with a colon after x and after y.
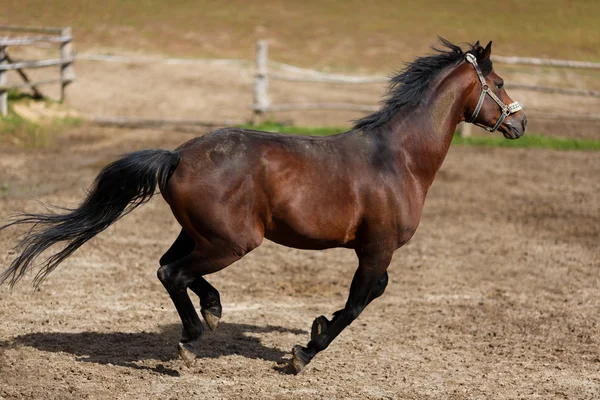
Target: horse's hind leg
x: 176, y: 285
x: 183, y: 245
x: 176, y: 277
x: 210, y: 302
x: 368, y: 283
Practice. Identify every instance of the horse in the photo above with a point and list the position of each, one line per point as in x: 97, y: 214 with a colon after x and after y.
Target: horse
x: 229, y: 189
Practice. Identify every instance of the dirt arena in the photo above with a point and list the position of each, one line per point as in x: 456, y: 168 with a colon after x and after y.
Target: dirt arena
x: 496, y: 296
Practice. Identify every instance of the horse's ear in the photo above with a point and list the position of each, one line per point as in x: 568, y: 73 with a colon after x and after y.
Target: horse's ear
x: 484, y: 55
x: 476, y: 46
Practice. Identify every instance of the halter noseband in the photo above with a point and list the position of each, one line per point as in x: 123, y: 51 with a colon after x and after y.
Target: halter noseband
x: 485, y: 89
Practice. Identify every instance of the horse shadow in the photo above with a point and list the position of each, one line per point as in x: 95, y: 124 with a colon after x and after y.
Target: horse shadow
x: 127, y: 349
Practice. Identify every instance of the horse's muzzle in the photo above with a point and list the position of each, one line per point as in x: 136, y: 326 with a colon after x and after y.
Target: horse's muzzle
x: 514, y: 128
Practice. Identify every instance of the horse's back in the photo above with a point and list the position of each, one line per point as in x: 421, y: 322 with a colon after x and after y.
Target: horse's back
x: 298, y: 191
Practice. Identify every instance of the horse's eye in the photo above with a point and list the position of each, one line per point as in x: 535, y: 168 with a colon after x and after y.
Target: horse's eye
x: 500, y: 84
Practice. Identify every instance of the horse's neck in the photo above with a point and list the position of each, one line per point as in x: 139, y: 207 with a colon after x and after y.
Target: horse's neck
x: 425, y: 133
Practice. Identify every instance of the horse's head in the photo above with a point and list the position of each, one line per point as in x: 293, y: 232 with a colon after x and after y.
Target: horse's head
x: 488, y: 105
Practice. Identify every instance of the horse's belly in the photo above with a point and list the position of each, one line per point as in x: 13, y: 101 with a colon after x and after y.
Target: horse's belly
x: 305, y: 242
x: 311, y: 230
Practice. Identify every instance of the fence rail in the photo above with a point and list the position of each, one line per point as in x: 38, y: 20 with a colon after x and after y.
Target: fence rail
x: 31, y: 29
x: 60, y: 36
x: 37, y: 64
x: 319, y: 106
x: 124, y: 122
x: 21, y: 41
x: 546, y: 61
x: 359, y: 80
x: 263, y: 75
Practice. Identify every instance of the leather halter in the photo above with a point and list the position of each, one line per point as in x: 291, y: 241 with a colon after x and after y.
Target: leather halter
x: 485, y: 89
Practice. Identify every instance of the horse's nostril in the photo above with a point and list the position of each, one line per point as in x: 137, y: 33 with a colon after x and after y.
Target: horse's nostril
x: 524, y: 122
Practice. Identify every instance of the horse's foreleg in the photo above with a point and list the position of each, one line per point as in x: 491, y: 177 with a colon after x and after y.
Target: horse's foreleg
x: 321, y: 323
x: 368, y: 283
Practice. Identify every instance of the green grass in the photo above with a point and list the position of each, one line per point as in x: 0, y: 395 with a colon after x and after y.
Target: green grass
x: 529, y: 140
x: 16, y: 130
x: 271, y: 126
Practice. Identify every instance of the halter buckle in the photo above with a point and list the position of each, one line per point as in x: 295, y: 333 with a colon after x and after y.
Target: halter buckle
x: 514, y: 107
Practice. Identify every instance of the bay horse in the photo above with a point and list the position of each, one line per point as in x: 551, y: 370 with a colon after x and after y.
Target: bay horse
x: 363, y: 189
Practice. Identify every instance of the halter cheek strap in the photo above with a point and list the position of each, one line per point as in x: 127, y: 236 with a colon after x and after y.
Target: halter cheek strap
x: 485, y: 89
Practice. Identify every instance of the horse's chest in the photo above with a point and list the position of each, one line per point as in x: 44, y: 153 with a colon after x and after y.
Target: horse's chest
x: 408, y: 215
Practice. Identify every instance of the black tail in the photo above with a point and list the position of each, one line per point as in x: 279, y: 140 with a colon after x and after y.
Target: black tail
x: 120, y: 187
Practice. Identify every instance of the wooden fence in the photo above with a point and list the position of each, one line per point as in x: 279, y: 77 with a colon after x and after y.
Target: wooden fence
x: 60, y: 36
x: 263, y: 75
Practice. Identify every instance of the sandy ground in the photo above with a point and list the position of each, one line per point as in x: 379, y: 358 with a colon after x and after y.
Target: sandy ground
x: 496, y: 296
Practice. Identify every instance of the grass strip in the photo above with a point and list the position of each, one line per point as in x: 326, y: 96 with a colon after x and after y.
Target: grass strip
x: 529, y: 140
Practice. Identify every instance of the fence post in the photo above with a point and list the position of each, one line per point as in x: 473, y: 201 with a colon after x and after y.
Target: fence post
x: 464, y: 129
x: 3, y: 93
x: 261, y: 80
x: 67, y: 72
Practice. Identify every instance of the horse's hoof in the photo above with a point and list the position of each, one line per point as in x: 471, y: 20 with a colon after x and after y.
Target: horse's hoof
x: 300, y: 358
x: 211, y: 315
x: 320, y: 324
x: 187, y: 352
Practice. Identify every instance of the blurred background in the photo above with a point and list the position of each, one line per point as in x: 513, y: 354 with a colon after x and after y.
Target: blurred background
x: 195, y: 60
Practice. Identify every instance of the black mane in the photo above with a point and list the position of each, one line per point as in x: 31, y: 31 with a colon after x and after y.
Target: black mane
x: 408, y: 87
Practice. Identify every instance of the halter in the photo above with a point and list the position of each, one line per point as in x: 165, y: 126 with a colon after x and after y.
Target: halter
x: 485, y: 89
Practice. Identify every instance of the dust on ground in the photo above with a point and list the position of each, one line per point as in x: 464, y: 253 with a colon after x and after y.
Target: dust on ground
x: 496, y: 296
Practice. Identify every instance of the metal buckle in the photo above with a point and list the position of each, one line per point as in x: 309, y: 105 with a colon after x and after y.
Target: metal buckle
x: 514, y: 107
